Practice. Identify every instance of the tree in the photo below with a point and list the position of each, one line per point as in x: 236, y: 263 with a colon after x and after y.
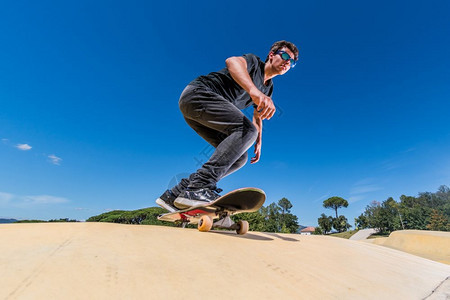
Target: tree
x: 255, y: 219
x: 145, y: 216
x: 372, y: 215
x: 271, y: 215
x: 426, y: 211
x: 335, y: 203
x: 383, y: 216
x: 284, y: 229
x: 443, y: 193
x: 415, y: 211
x: 438, y: 221
x: 325, y: 223
x: 318, y: 230
x: 362, y: 222
x: 285, y: 205
x: 341, y: 224
x: 290, y: 223
x: 277, y: 217
x: 389, y: 217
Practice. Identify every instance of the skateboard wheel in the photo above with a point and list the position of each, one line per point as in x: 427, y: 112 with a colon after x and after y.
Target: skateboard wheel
x: 205, y: 223
x: 242, y: 227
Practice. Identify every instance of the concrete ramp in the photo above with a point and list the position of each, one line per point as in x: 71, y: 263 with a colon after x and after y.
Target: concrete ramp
x: 113, y: 261
x: 434, y: 245
x: 363, y: 234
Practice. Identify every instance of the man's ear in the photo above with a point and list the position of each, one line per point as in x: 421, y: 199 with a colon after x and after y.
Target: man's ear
x: 270, y: 56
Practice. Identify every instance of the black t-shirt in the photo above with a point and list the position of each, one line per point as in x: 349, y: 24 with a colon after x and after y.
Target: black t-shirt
x: 223, y: 84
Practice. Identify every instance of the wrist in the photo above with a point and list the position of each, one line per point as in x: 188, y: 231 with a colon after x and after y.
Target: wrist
x: 254, y: 92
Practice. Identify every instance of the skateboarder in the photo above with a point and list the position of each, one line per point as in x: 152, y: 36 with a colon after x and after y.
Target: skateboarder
x: 212, y: 106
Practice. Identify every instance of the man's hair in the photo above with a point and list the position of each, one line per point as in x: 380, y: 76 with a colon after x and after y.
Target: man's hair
x: 281, y: 44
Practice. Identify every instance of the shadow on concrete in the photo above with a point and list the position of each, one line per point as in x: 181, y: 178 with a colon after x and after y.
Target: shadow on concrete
x: 288, y: 239
x: 248, y: 236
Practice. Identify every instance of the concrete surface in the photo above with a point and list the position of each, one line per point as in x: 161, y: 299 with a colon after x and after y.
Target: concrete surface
x: 433, y: 245
x: 114, y: 261
x: 363, y: 234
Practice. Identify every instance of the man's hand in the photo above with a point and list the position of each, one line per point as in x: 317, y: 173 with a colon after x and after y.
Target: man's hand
x: 257, y: 121
x: 238, y: 70
x: 266, y: 108
x: 255, y: 159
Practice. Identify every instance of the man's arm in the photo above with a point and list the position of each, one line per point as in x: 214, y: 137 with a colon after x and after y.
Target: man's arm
x: 237, y: 66
x: 257, y: 121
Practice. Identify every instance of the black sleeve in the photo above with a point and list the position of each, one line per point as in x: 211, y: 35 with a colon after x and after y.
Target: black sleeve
x: 252, y: 62
x: 270, y: 92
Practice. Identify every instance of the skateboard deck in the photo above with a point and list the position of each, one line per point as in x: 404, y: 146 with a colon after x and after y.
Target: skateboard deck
x: 234, y: 202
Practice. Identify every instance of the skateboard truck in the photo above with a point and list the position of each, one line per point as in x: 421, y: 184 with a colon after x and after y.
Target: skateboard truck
x: 206, y: 224
x: 225, y: 223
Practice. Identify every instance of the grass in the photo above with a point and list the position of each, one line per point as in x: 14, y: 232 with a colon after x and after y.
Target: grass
x: 378, y: 235
x: 344, y: 235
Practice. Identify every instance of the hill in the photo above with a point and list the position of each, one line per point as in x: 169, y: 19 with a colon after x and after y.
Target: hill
x: 144, y: 216
x: 6, y: 221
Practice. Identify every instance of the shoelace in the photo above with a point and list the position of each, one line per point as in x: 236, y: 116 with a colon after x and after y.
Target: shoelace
x: 217, y: 190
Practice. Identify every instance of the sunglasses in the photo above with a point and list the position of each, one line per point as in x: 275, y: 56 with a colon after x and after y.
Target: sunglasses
x: 285, y: 56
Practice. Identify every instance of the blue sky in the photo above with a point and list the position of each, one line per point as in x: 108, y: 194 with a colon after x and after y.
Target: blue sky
x: 89, y: 117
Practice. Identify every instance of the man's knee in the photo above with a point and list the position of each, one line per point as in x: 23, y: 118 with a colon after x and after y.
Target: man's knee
x: 250, y: 132
x: 241, y: 160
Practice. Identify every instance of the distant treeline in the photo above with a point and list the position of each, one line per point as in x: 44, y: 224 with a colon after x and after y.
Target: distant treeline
x: 7, y: 221
x: 427, y: 211
x: 145, y: 216
x: 276, y: 217
x: 49, y: 221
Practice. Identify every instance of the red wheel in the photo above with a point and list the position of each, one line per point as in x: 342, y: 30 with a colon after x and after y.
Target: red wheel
x: 242, y: 227
x: 205, y: 223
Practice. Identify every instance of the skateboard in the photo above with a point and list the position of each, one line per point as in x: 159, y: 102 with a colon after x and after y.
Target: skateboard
x: 234, y: 202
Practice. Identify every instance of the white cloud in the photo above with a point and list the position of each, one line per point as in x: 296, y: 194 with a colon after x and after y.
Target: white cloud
x: 27, y: 201
x: 23, y: 147
x: 45, y: 199
x: 364, y: 189
x: 354, y: 199
x: 361, y: 189
x: 400, y: 160
x: 5, y: 198
x: 409, y: 150
x: 323, y: 197
x: 55, y: 159
x: 82, y: 209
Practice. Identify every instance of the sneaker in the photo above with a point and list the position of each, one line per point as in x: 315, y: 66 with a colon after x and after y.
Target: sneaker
x: 166, y: 201
x: 196, y: 197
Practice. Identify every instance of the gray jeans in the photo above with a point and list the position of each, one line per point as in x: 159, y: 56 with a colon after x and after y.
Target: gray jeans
x: 223, y: 126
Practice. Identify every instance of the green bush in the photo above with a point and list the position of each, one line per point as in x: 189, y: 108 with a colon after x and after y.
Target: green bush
x: 145, y: 216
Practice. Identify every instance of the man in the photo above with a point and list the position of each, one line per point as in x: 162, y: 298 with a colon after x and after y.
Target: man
x: 212, y: 106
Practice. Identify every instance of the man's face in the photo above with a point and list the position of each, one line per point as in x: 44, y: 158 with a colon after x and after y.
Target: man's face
x: 280, y: 65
